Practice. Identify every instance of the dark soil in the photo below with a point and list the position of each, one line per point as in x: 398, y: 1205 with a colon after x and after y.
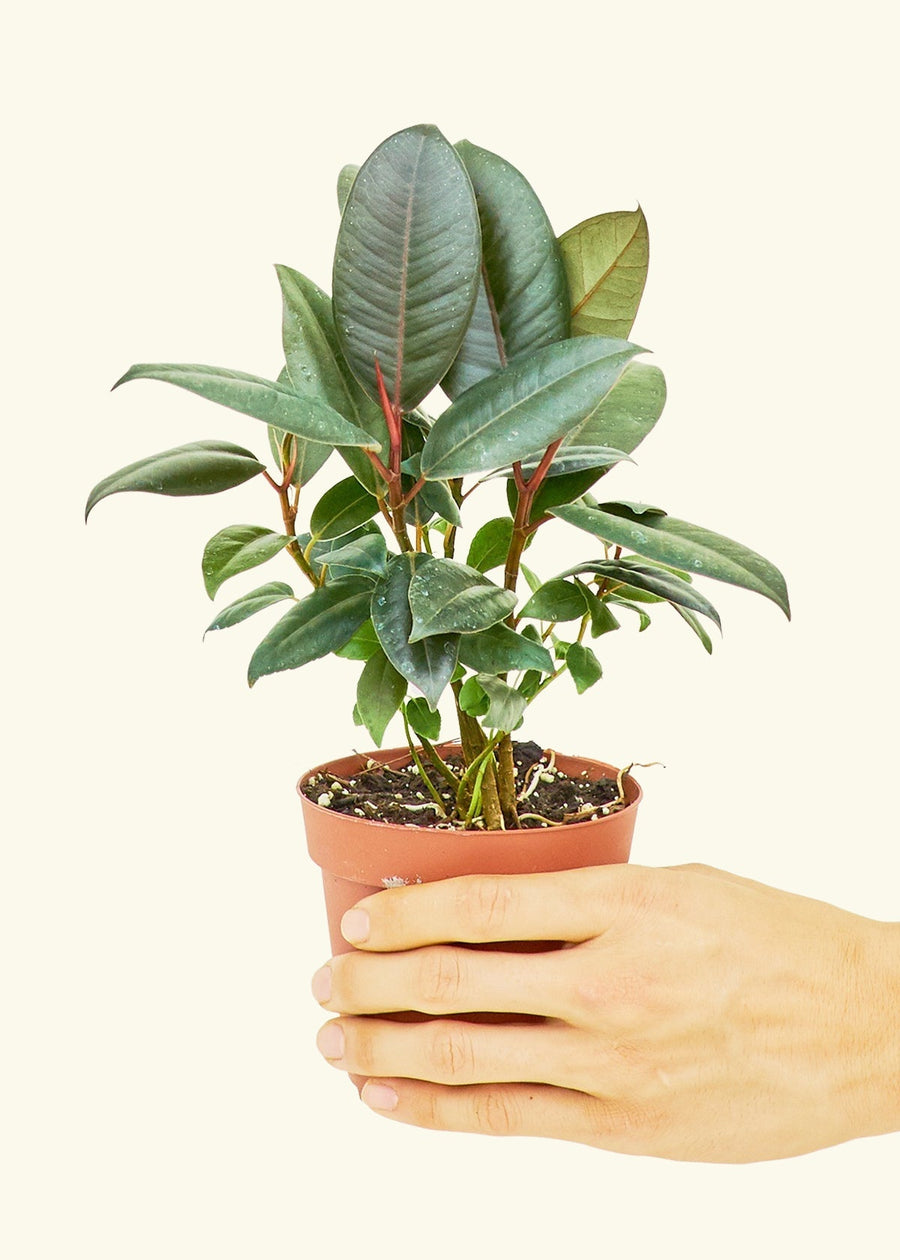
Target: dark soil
x: 547, y: 795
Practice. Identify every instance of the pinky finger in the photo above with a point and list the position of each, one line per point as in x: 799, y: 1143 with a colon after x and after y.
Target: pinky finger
x: 512, y: 1110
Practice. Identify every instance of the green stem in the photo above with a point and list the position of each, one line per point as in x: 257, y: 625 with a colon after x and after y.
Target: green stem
x: 421, y: 769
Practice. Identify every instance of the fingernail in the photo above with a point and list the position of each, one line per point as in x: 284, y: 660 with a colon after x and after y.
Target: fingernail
x: 355, y: 926
x: 330, y: 1041
x: 321, y: 984
x: 381, y: 1097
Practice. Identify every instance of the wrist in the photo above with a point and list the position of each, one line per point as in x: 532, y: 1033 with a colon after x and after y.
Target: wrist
x: 881, y: 1030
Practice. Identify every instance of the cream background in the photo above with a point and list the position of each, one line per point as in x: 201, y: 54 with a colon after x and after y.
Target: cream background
x: 162, y: 1096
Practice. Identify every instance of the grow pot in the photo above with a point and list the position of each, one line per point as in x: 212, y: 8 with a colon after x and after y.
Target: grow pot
x: 359, y: 856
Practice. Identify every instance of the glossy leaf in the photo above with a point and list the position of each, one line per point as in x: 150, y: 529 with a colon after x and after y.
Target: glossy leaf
x: 321, y: 622
x: 308, y: 457
x: 696, y: 626
x: 342, y: 508
x: 473, y: 698
x: 236, y: 549
x: 269, y: 401
x: 438, y: 499
x: 584, y: 667
x: 319, y: 553
x: 427, y: 664
x: 379, y: 694
x: 490, y: 545
x: 602, y: 619
x: 253, y: 602
x: 523, y: 295
x: 555, y: 491
x: 646, y: 577
x: 447, y: 597
x: 498, y: 650
x: 424, y: 721
x: 194, y: 469
x: 555, y: 600
x: 361, y: 645
x: 643, y: 616
x: 345, y: 180
x: 506, y: 705
x: 675, y: 542
x: 523, y: 408
x: 406, y: 265
x: 315, y: 366
x: 606, y: 262
x: 364, y: 555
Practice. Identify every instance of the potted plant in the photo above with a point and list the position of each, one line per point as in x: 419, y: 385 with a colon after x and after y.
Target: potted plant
x: 447, y: 272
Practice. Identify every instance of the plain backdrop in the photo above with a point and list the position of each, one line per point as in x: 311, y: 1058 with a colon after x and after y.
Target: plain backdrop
x: 161, y: 1093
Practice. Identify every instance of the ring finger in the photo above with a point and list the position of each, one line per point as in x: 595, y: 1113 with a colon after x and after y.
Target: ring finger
x: 455, y: 1052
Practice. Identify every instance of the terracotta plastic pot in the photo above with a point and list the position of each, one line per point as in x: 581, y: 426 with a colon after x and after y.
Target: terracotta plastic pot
x: 359, y: 857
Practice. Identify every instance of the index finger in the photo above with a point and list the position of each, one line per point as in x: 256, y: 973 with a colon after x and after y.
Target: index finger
x: 570, y: 906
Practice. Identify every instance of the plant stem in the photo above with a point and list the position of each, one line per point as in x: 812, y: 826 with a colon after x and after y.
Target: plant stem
x: 474, y: 742
x: 289, y: 517
x: 421, y: 769
x: 506, y: 782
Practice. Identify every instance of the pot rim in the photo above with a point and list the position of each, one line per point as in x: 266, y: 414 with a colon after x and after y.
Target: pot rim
x: 633, y: 796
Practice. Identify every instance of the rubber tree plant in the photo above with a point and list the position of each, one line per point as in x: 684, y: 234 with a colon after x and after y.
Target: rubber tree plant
x: 447, y: 272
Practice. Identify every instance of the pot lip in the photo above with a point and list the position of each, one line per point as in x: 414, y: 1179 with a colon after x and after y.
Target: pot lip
x: 402, y: 755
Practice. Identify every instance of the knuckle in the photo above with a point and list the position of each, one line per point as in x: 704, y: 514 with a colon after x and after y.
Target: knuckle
x: 361, y: 1047
x: 452, y: 1053
x: 344, y: 985
x: 441, y: 981
x: 485, y: 906
x: 495, y: 1112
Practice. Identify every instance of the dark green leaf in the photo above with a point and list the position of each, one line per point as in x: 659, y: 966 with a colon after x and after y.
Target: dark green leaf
x: 696, y: 626
x: 427, y: 664
x: 490, y: 545
x: 523, y: 296
x: 473, y: 698
x: 197, y: 468
x: 343, y: 507
x: 379, y: 694
x: 625, y: 603
x: 361, y: 646
x: 447, y: 597
x: 345, y: 180
x: 321, y: 622
x: 364, y: 555
x: 237, y: 548
x: 319, y: 553
x: 499, y: 650
x: 309, y: 457
x: 602, y: 620
x: 523, y: 408
x: 556, y: 600
x: 676, y: 542
x: 531, y: 684
x: 583, y: 666
x: 424, y: 721
x: 314, y: 364
x: 253, y: 602
x: 646, y: 577
x: 255, y: 396
x: 406, y: 265
x: 506, y: 705
x: 606, y: 262
x: 437, y: 498
x: 555, y: 491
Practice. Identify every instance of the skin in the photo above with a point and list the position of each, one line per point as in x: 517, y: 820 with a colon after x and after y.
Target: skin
x: 689, y: 1013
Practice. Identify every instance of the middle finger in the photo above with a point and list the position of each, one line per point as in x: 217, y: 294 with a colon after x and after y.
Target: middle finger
x: 444, y: 980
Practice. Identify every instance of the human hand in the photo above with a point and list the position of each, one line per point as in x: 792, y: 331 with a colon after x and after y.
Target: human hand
x: 690, y: 1013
